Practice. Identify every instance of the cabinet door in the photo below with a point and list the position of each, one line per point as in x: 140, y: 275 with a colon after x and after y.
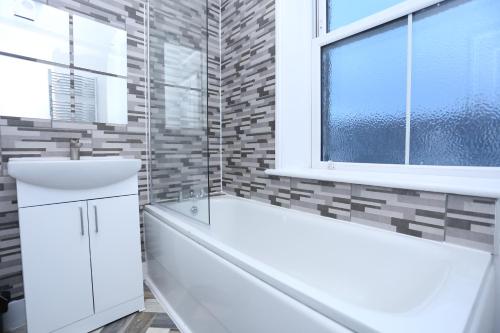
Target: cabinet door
x: 115, y: 250
x: 56, y: 265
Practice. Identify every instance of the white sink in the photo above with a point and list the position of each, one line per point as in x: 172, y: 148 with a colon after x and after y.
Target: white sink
x: 72, y: 175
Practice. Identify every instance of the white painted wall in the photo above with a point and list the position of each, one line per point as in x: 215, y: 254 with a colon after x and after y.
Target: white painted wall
x: 293, y: 82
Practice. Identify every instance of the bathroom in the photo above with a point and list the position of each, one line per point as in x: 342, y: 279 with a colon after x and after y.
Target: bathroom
x: 241, y: 166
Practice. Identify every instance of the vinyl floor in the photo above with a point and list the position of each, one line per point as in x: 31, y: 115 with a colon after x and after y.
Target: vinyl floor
x: 152, y: 320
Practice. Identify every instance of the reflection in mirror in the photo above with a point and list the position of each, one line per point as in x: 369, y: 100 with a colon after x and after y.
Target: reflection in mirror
x: 99, y: 47
x: 39, y: 78
x: 21, y: 76
x: 34, y: 30
x: 184, y: 97
x: 101, y: 97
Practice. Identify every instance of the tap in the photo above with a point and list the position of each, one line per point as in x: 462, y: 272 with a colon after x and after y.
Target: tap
x: 74, y: 149
x: 202, y: 194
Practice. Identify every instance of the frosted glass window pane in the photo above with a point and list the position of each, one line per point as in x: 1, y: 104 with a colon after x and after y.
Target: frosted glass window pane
x: 364, y: 97
x: 34, y: 30
x: 456, y: 85
x: 342, y: 12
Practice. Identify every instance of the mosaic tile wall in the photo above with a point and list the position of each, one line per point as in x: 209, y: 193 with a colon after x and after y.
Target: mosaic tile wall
x: 248, y: 131
x: 34, y: 138
x: 248, y: 96
x: 179, y: 126
x: 241, y: 77
x: 214, y: 97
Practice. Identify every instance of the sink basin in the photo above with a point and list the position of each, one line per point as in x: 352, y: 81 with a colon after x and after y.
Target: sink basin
x: 72, y: 175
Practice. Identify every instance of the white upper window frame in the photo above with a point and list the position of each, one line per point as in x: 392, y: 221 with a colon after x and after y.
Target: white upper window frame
x: 300, y: 35
x: 324, y: 38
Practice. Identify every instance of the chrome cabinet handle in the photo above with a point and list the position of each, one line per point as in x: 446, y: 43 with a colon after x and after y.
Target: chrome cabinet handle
x: 96, y: 220
x: 81, y: 221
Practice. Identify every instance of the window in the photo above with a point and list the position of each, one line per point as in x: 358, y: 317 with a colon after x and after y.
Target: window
x: 403, y: 82
x: 342, y: 12
x: 363, y: 96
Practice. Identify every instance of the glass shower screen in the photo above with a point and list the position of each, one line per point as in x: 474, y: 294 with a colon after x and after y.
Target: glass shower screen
x: 178, y: 106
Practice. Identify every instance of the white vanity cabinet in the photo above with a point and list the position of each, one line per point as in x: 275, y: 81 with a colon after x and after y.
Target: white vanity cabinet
x: 56, y: 265
x: 115, y: 250
x: 81, y: 249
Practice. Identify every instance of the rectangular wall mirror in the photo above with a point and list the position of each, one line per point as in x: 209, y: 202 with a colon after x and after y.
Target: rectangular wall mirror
x: 74, y: 68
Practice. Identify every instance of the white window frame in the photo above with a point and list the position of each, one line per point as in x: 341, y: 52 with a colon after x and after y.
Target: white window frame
x: 399, y: 11
x: 300, y: 35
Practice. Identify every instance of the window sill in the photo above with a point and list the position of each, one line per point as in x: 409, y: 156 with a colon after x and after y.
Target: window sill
x: 473, y: 186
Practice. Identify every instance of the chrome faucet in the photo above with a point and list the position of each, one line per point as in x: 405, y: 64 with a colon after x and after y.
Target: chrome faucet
x: 74, y: 149
x: 202, y: 194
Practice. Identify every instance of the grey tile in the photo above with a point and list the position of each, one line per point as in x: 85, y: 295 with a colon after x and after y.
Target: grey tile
x: 182, y: 145
x: 271, y: 190
x: 152, y: 305
x: 248, y: 101
x: 24, y: 137
x: 162, y: 320
x: 470, y: 221
x: 323, y: 198
x: 139, y: 322
x: 414, y: 213
x: 35, y: 137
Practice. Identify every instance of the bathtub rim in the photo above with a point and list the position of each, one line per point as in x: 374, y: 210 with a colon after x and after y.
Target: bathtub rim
x: 291, y: 286
x: 198, y: 225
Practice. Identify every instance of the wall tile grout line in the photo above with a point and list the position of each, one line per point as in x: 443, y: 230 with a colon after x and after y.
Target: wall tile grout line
x: 23, y: 137
x: 242, y: 91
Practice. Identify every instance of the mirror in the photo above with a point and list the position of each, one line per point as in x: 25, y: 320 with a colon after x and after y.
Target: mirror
x: 20, y: 77
x: 60, y: 66
x: 99, y: 47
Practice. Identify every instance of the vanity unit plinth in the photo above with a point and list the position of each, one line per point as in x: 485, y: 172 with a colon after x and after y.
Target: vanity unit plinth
x: 80, y: 242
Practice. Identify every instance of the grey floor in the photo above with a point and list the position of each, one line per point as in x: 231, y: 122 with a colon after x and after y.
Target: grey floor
x: 152, y: 320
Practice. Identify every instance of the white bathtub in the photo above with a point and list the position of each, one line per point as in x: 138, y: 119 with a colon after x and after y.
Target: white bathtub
x: 259, y: 268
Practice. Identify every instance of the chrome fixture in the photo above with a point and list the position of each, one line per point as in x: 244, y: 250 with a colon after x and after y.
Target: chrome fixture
x: 74, y: 149
x: 84, y: 91
x: 202, y: 194
x: 192, y: 195
x: 194, y: 210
